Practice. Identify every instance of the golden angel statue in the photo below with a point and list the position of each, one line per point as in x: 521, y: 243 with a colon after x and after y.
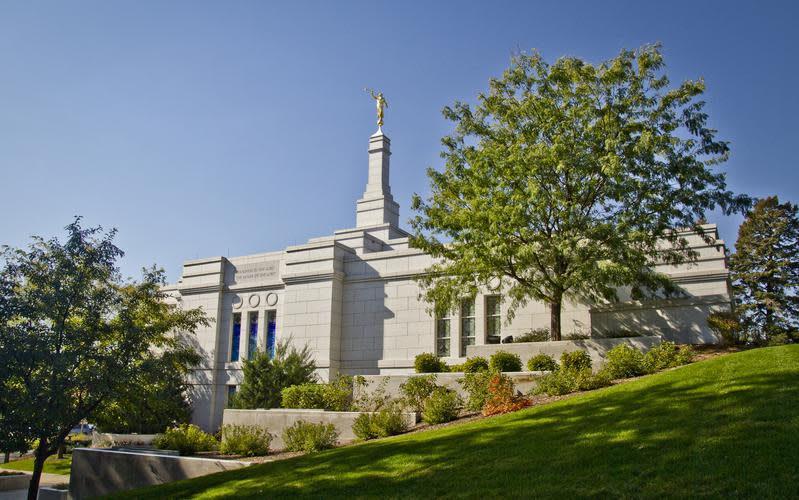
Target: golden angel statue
x: 380, y: 102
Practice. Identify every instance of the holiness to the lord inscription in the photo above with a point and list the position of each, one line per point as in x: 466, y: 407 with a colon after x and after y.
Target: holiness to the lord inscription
x: 256, y: 271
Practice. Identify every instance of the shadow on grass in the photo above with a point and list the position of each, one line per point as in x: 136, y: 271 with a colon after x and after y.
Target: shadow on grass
x: 725, y: 427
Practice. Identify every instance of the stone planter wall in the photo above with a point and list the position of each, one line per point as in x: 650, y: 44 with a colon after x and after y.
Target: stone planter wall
x: 278, y: 419
x: 524, y: 382
x: 597, y: 348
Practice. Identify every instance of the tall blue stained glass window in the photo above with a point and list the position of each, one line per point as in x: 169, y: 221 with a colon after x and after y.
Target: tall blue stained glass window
x: 271, y: 323
x: 235, y: 338
x: 252, y: 338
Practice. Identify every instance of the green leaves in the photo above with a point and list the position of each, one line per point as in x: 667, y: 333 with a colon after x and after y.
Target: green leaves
x: 560, y: 167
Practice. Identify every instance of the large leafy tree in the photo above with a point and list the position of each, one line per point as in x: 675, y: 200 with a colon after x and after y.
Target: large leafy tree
x: 156, y: 399
x: 565, y: 180
x: 73, y: 334
x: 765, y: 269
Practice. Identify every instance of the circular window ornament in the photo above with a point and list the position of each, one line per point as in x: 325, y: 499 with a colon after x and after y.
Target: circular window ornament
x: 237, y: 302
x: 494, y: 284
x: 254, y: 300
x: 271, y: 299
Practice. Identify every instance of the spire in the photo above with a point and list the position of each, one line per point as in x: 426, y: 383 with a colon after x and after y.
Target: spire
x: 377, y: 206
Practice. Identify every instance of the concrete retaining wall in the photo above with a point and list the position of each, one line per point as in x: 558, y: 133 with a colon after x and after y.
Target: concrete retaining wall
x: 278, y: 419
x: 596, y: 348
x: 524, y: 382
x: 15, y: 482
x: 97, y: 472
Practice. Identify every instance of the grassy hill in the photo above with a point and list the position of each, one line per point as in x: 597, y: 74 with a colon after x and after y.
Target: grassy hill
x: 724, y: 427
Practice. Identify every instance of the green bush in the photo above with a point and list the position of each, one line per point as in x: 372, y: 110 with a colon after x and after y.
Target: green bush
x: 575, y: 361
x: 308, y: 437
x: 502, y: 361
x: 624, y: 362
x: 542, y: 363
x: 266, y: 376
x: 246, y: 440
x: 666, y: 355
x: 475, y: 364
x: 564, y: 381
x: 476, y: 385
x: 727, y: 325
x: 429, y: 363
x: 537, y: 335
x: 335, y: 396
x: 187, y: 439
x: 443, y: 405
x: 416, y: 390
x: 389, y: 421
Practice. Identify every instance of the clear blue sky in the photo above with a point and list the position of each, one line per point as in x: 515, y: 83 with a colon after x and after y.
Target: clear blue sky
x: 230, y: 128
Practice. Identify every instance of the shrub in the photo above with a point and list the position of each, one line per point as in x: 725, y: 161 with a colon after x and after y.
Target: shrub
x: 187, y: 439
x: 335, y: 396
x: 502, y: 361
x: 308, y: 437
x: 429, y: 363
x: 502, y: 397
x: 563, y: 381
x: 616, y: 334
x: 389, y: 421
x: 366, y: 400
x: 537, y: 335
x: 542, y: 363
x: 443, y: 405
x: 476, y: 364
x: 416, y: 390
x: 246, y: 440
x: 576, y: 360
x: 666, y: 355
x: 576, y: 336
x: 727, y: 325
x: 624, y: 362
x: 476, y: 385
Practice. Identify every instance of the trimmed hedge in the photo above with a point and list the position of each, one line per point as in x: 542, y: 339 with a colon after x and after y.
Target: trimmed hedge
x: 502, y: 361
x: 542, y: 363
x: 429, y: 363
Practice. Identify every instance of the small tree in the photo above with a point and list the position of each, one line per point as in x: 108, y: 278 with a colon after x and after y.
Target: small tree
x: 73, y: 334
x: 765, y: 269
x: 565, y: 181
x: 265, y: 377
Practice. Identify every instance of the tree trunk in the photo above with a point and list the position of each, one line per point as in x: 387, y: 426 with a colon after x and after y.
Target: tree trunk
x: 6, y: 457
x: 61, y: 451
x: 38, y: 466
x: 554, y: 319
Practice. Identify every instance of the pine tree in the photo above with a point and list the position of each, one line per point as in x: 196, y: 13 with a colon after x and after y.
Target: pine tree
x: 765, y: 269
x: 265, y: 377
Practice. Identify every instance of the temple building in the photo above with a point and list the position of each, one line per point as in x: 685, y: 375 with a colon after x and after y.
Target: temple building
x: 352, y: 298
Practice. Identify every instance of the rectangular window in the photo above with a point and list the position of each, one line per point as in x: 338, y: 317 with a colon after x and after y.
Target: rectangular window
x: 235, y: 338
x: 271, y: 326
x: 493, y: 320
x: 467, y: 324
x: 231, y: 391
x: 442, y: 335
x: 252, y: 339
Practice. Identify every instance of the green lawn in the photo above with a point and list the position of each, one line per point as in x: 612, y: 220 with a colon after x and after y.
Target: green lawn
x: 727, y: 427
x: 52, y: 465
